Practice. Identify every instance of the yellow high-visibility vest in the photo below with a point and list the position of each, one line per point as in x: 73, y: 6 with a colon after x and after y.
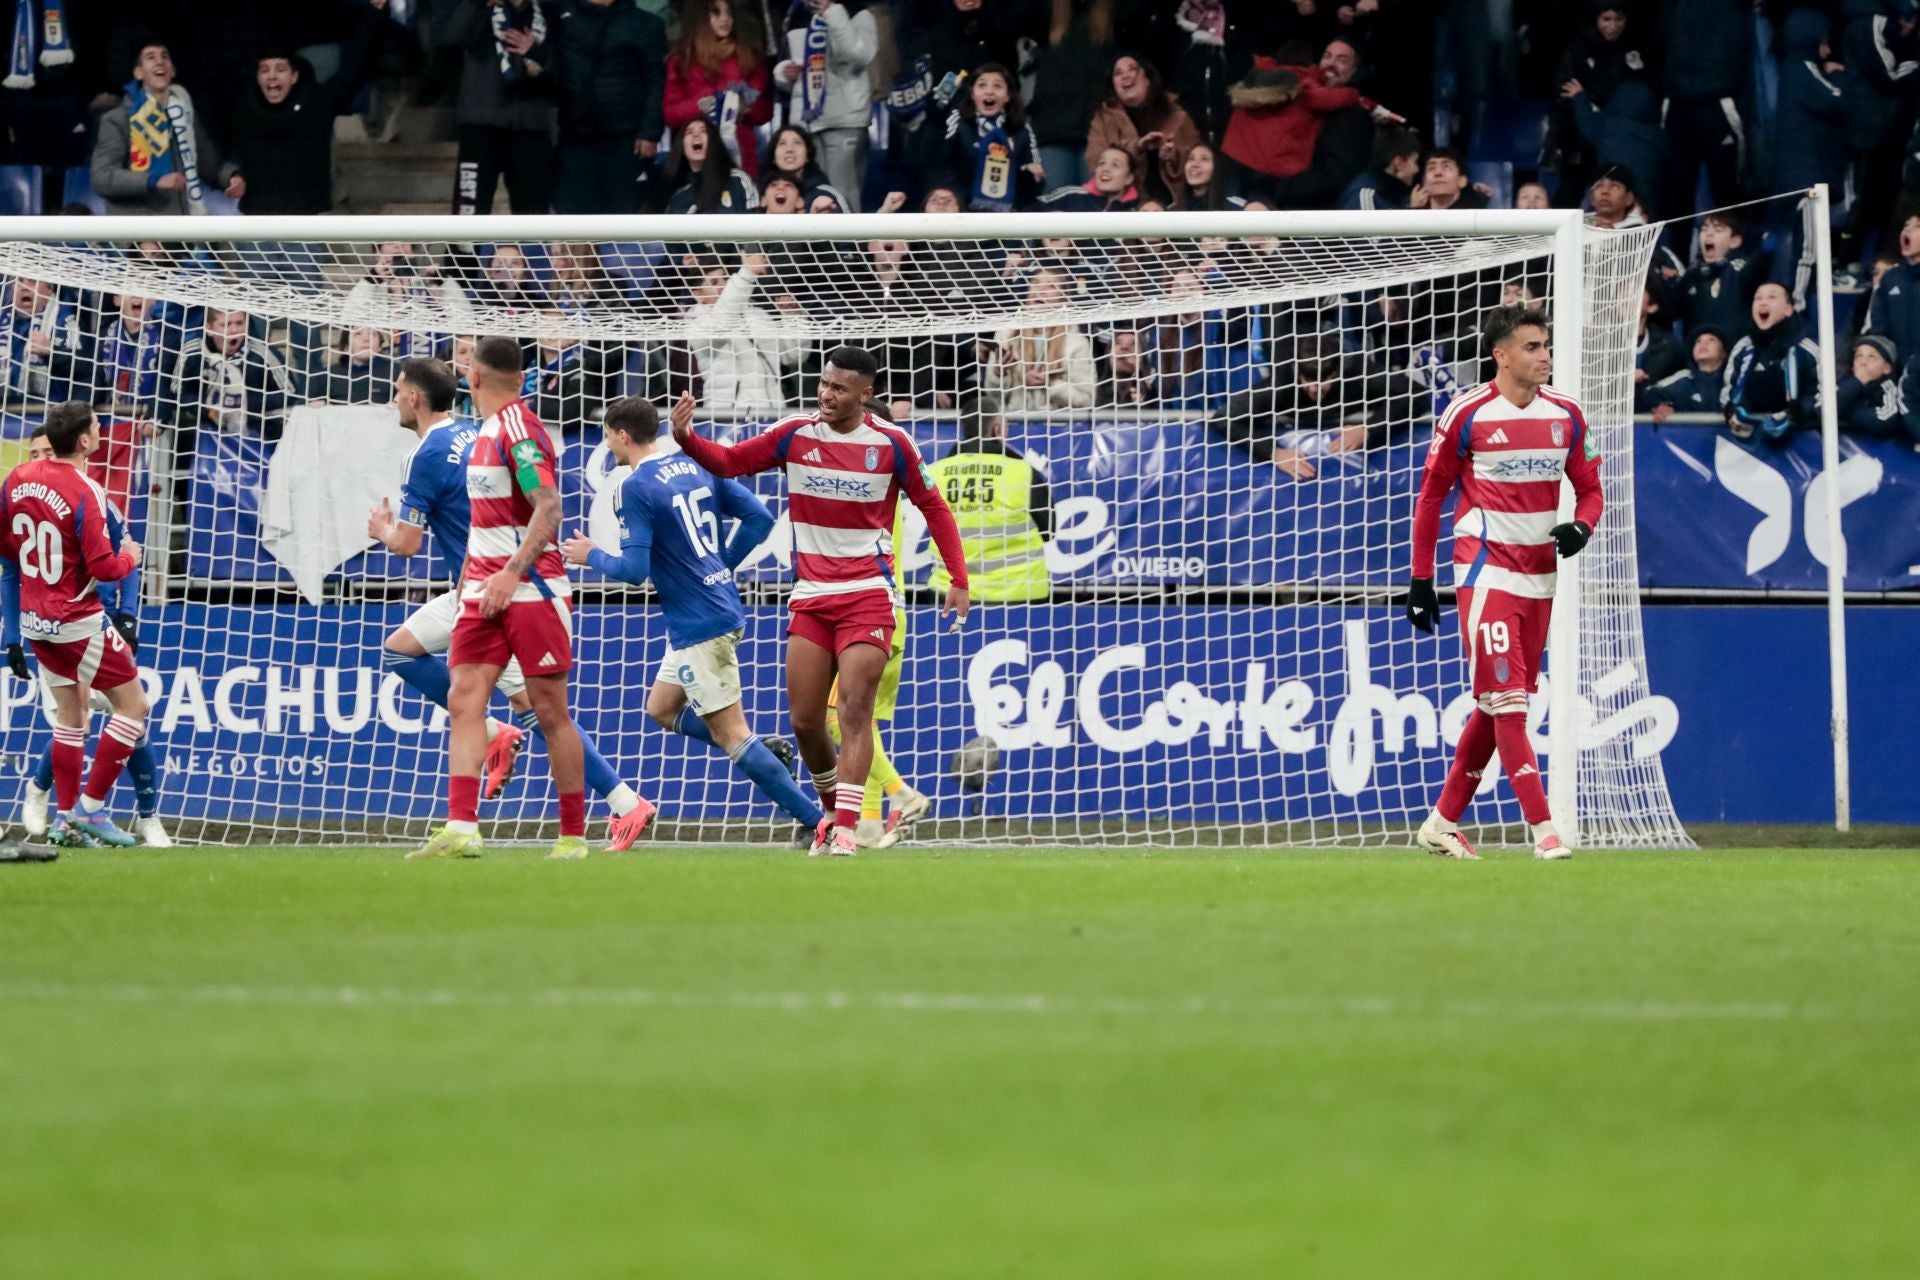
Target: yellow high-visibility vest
x: 989, y: 494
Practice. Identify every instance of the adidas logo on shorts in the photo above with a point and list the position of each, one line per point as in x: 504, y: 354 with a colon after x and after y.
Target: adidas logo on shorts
x: 548, y: 660
x: 878, y: 634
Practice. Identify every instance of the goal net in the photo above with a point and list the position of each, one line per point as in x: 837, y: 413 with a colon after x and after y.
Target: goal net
x: 1186, y: 628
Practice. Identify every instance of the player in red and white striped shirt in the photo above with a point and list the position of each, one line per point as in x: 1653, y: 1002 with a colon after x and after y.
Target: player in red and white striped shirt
x: 846, y: 470
x: 1506, y: 445
x: 515, y: 603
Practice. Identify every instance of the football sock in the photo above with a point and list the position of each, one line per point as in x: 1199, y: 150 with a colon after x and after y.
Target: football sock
x: 846, y: 808
x: 824, y: 786
x: 426, y: 673
x: 69, y: 757
x: 463, y: 803
x: 1517, y: 760
x: 43, y: 773
x: 1469, y: 766
x: 600, y: 775
x: 694, y: 727
x: 145, y: 772
x: 573, y: 813
x: 110, y: 757
x: 760, y: 764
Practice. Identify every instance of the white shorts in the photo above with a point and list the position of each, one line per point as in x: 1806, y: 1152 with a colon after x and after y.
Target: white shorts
x: 432, y: 625
x: 708, y: 671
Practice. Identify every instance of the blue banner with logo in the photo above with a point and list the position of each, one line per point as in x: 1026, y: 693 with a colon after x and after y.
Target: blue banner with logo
x: 1717, y: 512
x: 1170, y: 504
x: 1303, y: 717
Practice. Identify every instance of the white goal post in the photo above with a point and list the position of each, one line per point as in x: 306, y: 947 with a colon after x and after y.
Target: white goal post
x: 1226, y: 413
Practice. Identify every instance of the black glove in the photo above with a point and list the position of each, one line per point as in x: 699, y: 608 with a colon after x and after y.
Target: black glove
x: 1423, y: 606
x: 1571, y: 537
x: 17, y: 662
x: 129, y: 628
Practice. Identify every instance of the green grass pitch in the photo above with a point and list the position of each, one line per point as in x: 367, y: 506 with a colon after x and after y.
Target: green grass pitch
x: 305, y: 1063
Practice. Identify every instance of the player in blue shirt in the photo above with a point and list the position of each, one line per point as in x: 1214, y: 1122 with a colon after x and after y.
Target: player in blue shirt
x: 122, y: 601
x: 434, y: 497
x: 670, y: 530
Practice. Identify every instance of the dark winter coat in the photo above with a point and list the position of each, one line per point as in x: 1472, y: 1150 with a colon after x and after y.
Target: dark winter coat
x: 1718, y: 294
x: 960, y: 154
x: 1809, y: 123
x: 1601, y: 66
x: 953, y: 41
x: 1871, y: 408
x: 1881, y: 70
x: 610, y: 65
x: 1690, y: 390
x: 1773, y: 382
x: 1340, y: 153
x: 1658, y: 354
x: 1069, y: 84
x: 1628, y: 132
x: 1893, y: 310
x: 487, y: 98
x: 1376, y: 189
x: 285, y: 151
x: 1706, y: 48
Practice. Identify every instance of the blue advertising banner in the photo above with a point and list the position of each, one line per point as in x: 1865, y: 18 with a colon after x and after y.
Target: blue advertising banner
x: 1716, y: 512
x: 1168, y: 503
x: 1291, y: 715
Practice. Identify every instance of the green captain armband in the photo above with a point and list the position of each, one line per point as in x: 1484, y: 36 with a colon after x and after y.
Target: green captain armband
x: 531, y: 466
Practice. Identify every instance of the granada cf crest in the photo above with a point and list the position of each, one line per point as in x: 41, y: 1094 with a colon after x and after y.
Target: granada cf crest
x: 1559, y: 435
x: 873, y: 457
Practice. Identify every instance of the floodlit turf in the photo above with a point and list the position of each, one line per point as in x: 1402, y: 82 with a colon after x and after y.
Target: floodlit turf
x: 302, y: 1063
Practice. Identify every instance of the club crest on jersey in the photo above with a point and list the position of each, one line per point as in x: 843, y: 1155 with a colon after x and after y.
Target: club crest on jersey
x: 873, y: 457
x: 1559, y: 435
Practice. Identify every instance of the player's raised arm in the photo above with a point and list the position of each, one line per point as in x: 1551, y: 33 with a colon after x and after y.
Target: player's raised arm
x: 761, y: 453
x: 756, y: 521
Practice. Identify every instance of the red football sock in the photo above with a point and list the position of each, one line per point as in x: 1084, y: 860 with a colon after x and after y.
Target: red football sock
x: 573, y: 813
x: 1469, y: 765
x: 463, y: 799
x: 1516, y: 757
x: 846, y: 803
x: 69, y: 757
x: 116, y: 744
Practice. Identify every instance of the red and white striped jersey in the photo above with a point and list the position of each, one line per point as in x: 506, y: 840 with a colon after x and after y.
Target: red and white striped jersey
x: 512, y: 456
x: 843, y: 489
x: 1508, y: 461
x: 53, y: 531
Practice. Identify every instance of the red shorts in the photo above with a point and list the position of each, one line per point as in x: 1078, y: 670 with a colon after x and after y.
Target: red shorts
x: 538, y: 632
x: 835, y: 622
x: 102, y: 661
x: 1505, y: 637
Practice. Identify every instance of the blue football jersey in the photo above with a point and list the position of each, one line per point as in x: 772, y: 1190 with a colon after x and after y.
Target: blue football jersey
x: 434, y: 494
x: 676, y: 512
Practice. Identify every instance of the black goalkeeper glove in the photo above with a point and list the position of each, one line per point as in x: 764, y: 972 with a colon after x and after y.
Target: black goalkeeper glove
x: 1571, y: 537
x: 17, y: 662
x: 129, y: 628
x: 1423, y: 606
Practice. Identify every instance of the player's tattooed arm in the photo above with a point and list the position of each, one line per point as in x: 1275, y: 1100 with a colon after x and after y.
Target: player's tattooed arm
x: 542, y: 527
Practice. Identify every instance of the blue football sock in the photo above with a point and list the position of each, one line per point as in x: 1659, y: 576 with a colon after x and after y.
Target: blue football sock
x: 426, y: 673
x: 754, y: 759
x: 145, y: 772
x: 600, y: 774
x: 43, y: 775
x: 693, y: 727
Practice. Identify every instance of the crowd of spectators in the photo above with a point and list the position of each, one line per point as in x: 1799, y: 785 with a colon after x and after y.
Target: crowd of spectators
x: 1647, y: 110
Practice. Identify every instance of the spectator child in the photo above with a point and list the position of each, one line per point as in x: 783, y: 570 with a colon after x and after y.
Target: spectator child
x: 1389, y: 183
x: 1111, y: 189
x: 127, y: 359
x: 1043, y: 368
x: 1656, y: 352
x: 1613, y: 200
x: 1893, y: 309
x: 231, y: 382
x: 1531, y: 195
x: 1696, y: 388
x: 990, y: 149
x: 282, y: 128
x: 830, y: 43
x: 154, y: 153
x: 1773, y: 374
x: 700, y: 182
x: 716, y: 72
x: 1444, y: 183
x: 1718, y: 289
x: 1142, y: 119
x: 1869, y: 396
x: 358, y: 373
x: 1202, y: 186
x: 791, y: 156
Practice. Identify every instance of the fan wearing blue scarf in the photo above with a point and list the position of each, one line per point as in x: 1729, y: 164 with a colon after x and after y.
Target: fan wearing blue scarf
x: 152, y: 154
x: 40, y: 38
